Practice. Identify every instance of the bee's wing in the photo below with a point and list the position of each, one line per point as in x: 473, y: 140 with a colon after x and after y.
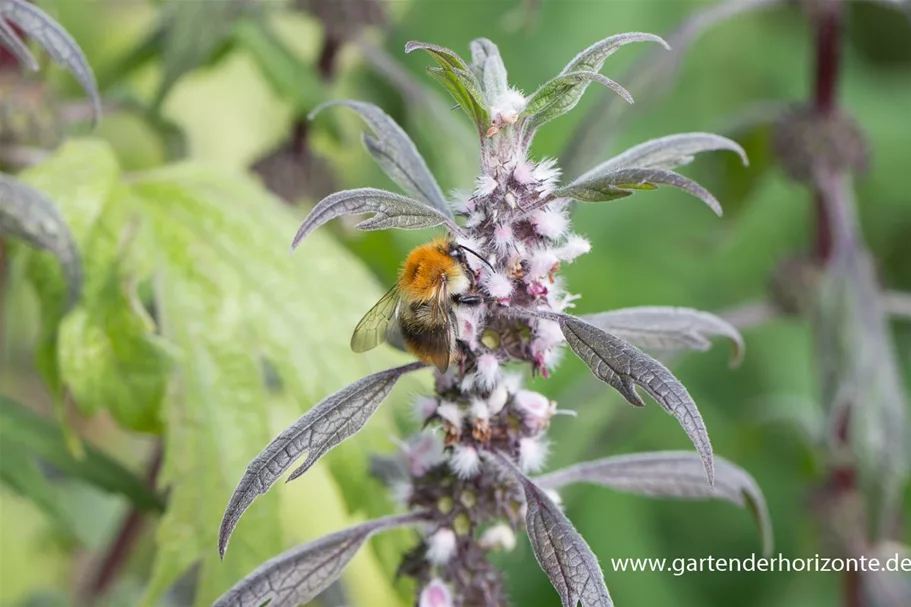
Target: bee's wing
x: 374, y: 327
x: 442, y: 316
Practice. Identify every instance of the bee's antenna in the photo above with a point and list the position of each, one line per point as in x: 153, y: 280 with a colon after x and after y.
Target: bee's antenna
x: 487, y: 263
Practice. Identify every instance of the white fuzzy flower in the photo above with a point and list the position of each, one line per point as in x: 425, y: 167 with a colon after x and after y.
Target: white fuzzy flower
x: 498, y: 285
x: 532, y: 453
x: 524, y: 172
x: 536, y: 408
x: 547, y: 334
x: 506, y: 108
x: 479, y: 410
x: 473, y: 262
x: 441, y: 546
x: 554, y: 497
x: 485, y: 185
x: 512, y: 382
x: 551, y: 223
x: 488, y: 371
x: 465, y: 461
x: 503, y: 238
x: 451, y: 413
x: 551, y: 358
x: 498, y: 537
x: 574, y: 246
x: 540, y: 265
x: 547, y: 175
x: 436, y: 594
x: 497, y: 400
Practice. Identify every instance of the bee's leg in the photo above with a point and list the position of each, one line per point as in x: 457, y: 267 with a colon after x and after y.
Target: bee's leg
x: 467, y: 300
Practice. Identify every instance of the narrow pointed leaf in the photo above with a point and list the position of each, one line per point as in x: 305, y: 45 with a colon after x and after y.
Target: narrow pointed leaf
x: 562, y: 94
x: 29, y: 214
x: 667, y: 153
x: 390, y: 211
x: 10, y: 40
x: 561, y: 552
x: 482, y: 49
x: 612, y: 185
x: 458, y: 79
x: 668, y: 329
x: 623, y: 367
x: 57, y: 42
x: 397, y: 155
x: 674, y: 474
x: 592, y: 59
x: 297, y: 576
x: 320, y: 429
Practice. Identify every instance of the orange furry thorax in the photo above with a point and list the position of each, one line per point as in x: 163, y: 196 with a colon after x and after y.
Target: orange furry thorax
x: 426, y: 269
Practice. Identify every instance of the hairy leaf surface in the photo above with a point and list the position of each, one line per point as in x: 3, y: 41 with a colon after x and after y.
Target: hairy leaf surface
x: 297, y: 576
x: 561, y: 95
x: 397, y: 155
x: 667, y: 152
x: 675, y: 474
x: 390, y: 211
x: 623, y: 367
x: 623, y: 182
x: 561, y: 552
x: 667, y: 329
x: 325, y: 426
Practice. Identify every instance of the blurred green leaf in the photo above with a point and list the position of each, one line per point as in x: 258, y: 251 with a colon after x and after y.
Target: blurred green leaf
x: 22, y: 473
x: 289, y: 77
x: 26, y: 431
x: 230, y: 299
x: 193, y: 33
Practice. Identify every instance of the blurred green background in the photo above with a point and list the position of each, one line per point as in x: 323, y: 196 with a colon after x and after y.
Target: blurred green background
x: 660, y: 248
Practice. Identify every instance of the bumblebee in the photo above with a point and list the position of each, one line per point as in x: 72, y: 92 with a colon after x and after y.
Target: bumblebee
x: 418, y: 310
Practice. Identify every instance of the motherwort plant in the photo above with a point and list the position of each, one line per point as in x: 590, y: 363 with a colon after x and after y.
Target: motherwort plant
x: 465, y: 478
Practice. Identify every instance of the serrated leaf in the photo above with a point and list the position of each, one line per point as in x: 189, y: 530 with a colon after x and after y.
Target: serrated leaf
x: 29, y: 214
x: 561, y: 552
x: 57, y: 42
x: 561, y: 95
x: 620, y: 183
x: 335, y: 419
x: 623, y: 367
x: 458, y: 79
x: 668, y: 329
x: 233, y: 303
x: 674, y: 474
x: 667, y: 152
x: 647, y: 78
x: 289, y: 76
x: 390, y: 211
x: 27, y: 431
x: 397, y: 155
x: 11, y: 40
x: 592, y: 59
x: 299, y: 575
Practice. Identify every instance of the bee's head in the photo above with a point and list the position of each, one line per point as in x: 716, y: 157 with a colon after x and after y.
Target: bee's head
x: 457, y: 252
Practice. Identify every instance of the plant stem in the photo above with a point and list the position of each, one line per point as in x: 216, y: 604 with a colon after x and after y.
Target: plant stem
x: 828, y: 25
x: 119, y: 551
x: 828, y: 32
